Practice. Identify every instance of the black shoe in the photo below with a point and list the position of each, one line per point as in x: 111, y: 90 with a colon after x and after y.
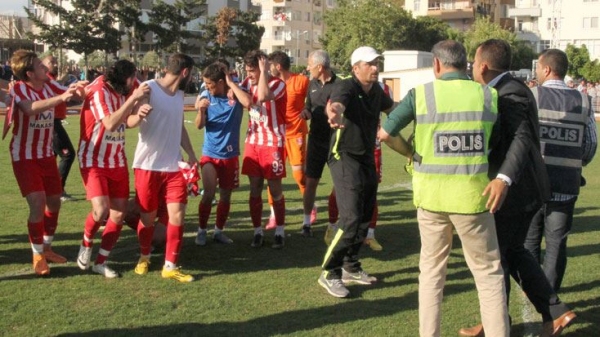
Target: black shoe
x: 257, y: 241
x: 307, y: 231
x: 279, y: 242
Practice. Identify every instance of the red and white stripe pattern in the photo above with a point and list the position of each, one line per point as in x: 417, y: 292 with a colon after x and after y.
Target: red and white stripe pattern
x: 266, y: 125
x: 32, y: 135
x: 98, y: 147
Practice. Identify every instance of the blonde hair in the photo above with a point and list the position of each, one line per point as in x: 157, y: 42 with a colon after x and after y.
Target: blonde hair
x: 22, y: 62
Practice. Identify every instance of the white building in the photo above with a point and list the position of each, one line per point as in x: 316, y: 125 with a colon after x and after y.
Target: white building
x: 405, y: 69
x: 556, y: 23
x: 293, y: 26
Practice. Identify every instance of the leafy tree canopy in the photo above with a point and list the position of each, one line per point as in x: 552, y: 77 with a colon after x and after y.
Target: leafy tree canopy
x: 578, y: 58
x: 168, y: 22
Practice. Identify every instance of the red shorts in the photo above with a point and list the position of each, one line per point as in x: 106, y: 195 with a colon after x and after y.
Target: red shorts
x: 264, y: 161
x: 111, y: 182
x: 37, y: 175
x: 378, y: 164
x: 228, y: 171
x: 295, y: 150
x: 152, y: 186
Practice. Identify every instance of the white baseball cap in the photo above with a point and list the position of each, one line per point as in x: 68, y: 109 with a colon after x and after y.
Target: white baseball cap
x: 366, y: 54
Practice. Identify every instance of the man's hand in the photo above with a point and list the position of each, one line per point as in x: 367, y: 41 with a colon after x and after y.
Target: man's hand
x: 263, y: 64
x: 305, y: 114
x: 144, y: 110
x: 143, y: 91
x: 334, y: 115
x: 203, y: 104
x: 497, y: 190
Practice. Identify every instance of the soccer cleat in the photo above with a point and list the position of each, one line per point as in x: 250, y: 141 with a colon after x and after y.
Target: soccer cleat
x: 66, y: 197
x: 313, y: 214
x: 177, y: 275
x: 221, y: 238
x: 52, y: 257
x: 142, y: 266
x: 359, y: 277
x: 279, y: 242
x: 307, y: 231
x: 334, y: 286
x: 257, y: 241
x: 83, y: 257
x: 40, y: 266
x: 373, y: 244
x: 103, y: 269
x: 200, y: 238
x: 329, y: 234
x: 271, y: 224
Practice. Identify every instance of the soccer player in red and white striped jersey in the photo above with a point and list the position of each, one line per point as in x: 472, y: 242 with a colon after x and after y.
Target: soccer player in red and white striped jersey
x: 31, y: 152
x: 102, y: 158
x: 264, y: 156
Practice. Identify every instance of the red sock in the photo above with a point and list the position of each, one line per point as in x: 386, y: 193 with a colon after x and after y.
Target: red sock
x: 222, y: 213
x: 256, y: 205
x: 36, y: 232
x: 373, y: 222
x: 333, y: 210
x: 109, y: 238
x: 279, y: 209
x: 50, y: 223
x: 300, y: 180
x: 145, y: 235
x: 90, y: 230
x: 174, y: 241
x: 204, y: 210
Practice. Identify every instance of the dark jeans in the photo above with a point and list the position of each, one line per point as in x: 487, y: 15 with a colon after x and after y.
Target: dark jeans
x: 61, y: 144
x: 553, y: 221
x: 355, y: 185
x: 521, y: 265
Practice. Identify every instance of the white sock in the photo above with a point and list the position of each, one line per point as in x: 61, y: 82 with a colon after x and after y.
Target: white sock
x: 37, y: 248
x: 201, y: 230
x: 217, y: 230
x: 332, y: 226
x: 146, y: 257
x: 48, y: 239
x: 170, y: 265
x: 279, y: 230
x: 258, y: 230
x: 371, y: 233
x: 306, y: 219
x: 272, y: 212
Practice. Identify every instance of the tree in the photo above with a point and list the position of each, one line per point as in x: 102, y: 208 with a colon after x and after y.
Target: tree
x: 483, y: 29
x: 94, y: 60
x: 430, y: 30
x: 168, y: 23
x: 90, y: 26
x: 152, y: 60
x: 591, y: 71
x: 380, y: 24
x: 231, y: 33
x: 578, y: 58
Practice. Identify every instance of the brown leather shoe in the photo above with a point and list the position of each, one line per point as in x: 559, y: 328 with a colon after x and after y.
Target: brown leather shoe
x: 562, y: 322
x: 475, y: 331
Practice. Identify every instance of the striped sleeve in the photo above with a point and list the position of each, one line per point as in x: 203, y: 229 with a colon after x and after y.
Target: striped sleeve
x: 56, y: 87
x: 277, y: 87
x: 99, y: 104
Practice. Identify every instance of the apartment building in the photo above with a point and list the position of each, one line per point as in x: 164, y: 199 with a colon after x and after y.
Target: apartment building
x: 460, y: 14
x: 293, y: 26
x: 13, y: 34
x: 557, y: 23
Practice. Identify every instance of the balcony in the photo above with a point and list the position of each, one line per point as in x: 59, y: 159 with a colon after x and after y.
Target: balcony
x: 531, y: 12
x: 452, y: 14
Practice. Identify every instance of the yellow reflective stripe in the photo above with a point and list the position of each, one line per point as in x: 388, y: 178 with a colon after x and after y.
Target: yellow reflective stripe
x: 336, y: 239
x: 566, y: 162
x: 338, y: 135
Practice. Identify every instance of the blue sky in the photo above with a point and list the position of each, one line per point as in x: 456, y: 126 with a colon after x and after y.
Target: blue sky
x: 13, y: 6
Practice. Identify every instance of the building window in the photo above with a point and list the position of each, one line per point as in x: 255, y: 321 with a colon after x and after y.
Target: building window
x: 417, y: 6
x: 317, y: 3
x: 307, y: 16
x: 296, y: 15
x: 317, y: 18
x: 330, y: 3
x: 590, y: 22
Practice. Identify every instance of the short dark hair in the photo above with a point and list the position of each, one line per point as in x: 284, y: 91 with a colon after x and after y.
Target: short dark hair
x: 214, y: 71
x: 281, y: 58
x: 451, y: 54
x: 496, y: 53
x: 177, y: 62
x: 557, y: 60
x: 251, y: 58
x: 118, y: 74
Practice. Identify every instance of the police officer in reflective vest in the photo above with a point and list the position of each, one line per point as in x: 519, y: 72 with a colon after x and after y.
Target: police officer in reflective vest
x: 568, y: 140
x: 453, y: 122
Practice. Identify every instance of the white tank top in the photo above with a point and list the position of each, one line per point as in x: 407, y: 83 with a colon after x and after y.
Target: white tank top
x: 159, y: 139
